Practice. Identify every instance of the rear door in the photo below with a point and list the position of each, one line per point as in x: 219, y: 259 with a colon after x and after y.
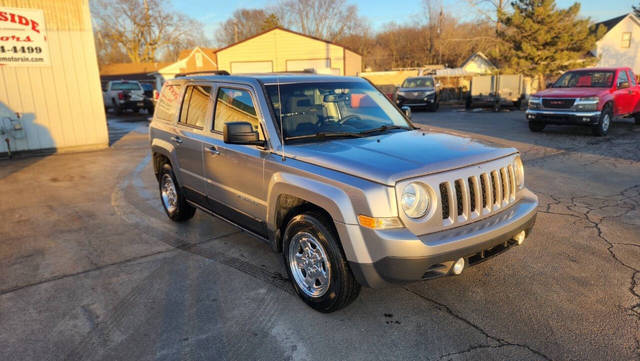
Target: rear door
x: 195, y: 110
x: 635, y: 101
x: 234, y: 173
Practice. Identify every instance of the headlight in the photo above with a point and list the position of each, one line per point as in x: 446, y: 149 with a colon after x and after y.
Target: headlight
x: 586, y: 104
x: 414, y: 200
x: 518, y: 169
x: 535, y: 102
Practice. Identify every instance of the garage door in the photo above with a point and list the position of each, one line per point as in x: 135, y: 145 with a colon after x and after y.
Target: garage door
x: 322, y: 66
x: 251, y: 67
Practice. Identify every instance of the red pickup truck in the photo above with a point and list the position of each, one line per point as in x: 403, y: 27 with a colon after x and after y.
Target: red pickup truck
x: 592, y: 97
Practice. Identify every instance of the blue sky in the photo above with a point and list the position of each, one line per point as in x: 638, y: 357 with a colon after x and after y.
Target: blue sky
x: 380, y: 12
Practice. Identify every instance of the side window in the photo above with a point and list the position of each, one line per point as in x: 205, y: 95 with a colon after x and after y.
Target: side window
x: 168, y: 103
x: 194, y: 105
x: 632, y: 77
x: 622, y: 78
x: 235, y: 105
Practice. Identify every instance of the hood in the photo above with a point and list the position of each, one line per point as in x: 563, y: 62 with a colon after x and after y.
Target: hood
x: 391, y: 157
x: 571, y: 92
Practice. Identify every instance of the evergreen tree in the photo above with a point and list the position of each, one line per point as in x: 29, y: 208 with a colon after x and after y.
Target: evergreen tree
x: 541, y: 40
x: 636, y: 10
x: 270, y: 22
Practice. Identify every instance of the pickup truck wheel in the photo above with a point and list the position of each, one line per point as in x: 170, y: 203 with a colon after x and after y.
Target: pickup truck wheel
x: 536, y: 126
x: 602, y: 128
x: 316, y: 265
x: 172, y: 197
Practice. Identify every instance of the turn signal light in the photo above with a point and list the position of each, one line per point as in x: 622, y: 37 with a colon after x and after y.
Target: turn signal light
x: 379, y: 223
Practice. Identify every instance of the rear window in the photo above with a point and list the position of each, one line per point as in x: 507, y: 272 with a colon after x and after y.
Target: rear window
x: 125, y: 86
x: 168, y: 103
x: 195, y: 105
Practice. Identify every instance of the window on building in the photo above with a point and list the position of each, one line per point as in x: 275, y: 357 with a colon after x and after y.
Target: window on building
x: 194, y: 105
x: 626, y: 40
x: 235, y: 105
x: 199, y: 60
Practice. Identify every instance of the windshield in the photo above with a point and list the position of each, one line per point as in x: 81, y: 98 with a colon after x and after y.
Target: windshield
x: 333, y: 108
x: 125, y: 86
x: 418, y: 83
x: 585, y: 79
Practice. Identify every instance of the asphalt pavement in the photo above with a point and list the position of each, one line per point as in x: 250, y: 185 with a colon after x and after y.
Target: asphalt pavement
x: 92, y: 269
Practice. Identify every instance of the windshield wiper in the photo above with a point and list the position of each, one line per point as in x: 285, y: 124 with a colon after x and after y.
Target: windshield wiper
x: 383, y: 129
x: 321, y: 135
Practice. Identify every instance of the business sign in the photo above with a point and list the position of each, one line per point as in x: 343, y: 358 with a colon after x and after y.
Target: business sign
x: 23, y: 39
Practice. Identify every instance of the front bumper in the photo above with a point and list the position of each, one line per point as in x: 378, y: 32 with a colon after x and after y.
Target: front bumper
x: 416, y: 102
x: 563, y: 117
x: 409, y: 258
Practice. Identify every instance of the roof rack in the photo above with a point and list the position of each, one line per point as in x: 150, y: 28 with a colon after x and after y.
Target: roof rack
x: 207, y: 72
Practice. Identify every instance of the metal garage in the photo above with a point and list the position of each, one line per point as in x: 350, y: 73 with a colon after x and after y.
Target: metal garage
x: 49, y: 76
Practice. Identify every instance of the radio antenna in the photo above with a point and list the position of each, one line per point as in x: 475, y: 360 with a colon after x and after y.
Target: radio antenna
x: 281, y: 121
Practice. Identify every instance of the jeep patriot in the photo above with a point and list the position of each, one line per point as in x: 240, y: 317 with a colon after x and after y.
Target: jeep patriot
x: 330, y: 173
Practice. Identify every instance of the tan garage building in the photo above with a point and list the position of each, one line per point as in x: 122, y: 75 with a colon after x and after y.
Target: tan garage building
x: 49, y: 75
x: 280, y: 50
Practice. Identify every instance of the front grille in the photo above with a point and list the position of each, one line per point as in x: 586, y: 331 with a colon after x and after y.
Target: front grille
x: 558, y: 103
x: 482, y: 194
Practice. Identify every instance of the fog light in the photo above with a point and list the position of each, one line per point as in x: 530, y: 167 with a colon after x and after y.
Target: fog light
x: 519, y: 237
x: 458, y: 267
x: 585, y: 119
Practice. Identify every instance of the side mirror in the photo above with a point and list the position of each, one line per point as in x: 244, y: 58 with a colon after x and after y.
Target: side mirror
x: 241, y: 133
x: 549, y: 85
x: 623, y: 85
x: 407, y: 111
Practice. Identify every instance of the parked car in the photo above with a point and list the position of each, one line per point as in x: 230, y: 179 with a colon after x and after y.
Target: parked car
x: 497, y: 91
x: 418, y: 92
x: 331, y: 174
x: 591, y: 97
x: 122, y: 95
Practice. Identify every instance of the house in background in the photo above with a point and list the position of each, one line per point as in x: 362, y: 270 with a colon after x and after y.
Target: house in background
x: 189, y: 61
x: 478, y: 63
x: 620, y: 46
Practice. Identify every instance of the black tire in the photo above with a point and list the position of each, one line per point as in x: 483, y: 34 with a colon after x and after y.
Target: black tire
x: 117, y: 108
x: 536, y: 126
x: 150, y: 109
x: 342, y: 286
x: 606, y: 117
x: 637, y: 116
x: 181, y: 210
x: 467, y: 103
x: 434, y: 107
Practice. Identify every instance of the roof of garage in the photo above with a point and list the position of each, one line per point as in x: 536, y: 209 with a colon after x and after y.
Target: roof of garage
x: 289, y: 31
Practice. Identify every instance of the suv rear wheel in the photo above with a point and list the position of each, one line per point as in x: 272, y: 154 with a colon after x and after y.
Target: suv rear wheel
x: 172, y: 196
x: 316, y: 265
x: 602, y: 128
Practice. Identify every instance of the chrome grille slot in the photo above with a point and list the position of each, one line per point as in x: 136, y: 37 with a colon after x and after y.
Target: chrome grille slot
x: 473, y: 193
x: 460, y: 197
x: 497, y: 188
x: 505, y: 185
x: 444, y: 196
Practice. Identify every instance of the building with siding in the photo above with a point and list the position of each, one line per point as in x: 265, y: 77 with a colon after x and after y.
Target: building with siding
x: 280, y: 50
x: 620, y: 46
x: 49, y: 75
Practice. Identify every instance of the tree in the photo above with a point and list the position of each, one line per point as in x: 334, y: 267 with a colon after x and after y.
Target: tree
x: 325, y: 19
x: 270, y: 22
x: 636, y: 10
x: 542, y: 40
x: 243, y: 24
x: 141, y: 29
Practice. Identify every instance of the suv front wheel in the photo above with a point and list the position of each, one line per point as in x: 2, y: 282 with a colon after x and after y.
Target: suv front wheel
x: 172, y: 196
x: 316, y: 265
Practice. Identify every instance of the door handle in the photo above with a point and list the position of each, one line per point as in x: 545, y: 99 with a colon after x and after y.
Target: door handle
x: 212, y: 150
x: 177, y: 140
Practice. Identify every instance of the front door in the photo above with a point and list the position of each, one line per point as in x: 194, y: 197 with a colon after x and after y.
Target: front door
x: 623, y: 96
x: 196, y: 106
x: 234, y: 173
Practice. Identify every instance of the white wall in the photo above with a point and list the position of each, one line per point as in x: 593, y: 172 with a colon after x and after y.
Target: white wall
x: 61, y: 103
x: 610, y: 46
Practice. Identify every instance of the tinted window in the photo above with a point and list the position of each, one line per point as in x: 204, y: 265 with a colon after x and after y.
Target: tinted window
x: 632, y: 77
x: 194, y: 105
x: 168, y: 103
x: 235, y: 105
x: 125, y: 86
x: 622, y: 78
x: 418, y: 83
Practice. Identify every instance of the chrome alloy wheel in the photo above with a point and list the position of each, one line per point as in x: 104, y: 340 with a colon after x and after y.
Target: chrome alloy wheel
x: 309, y: 264
x: 605, y: 122
x: 168, y: 193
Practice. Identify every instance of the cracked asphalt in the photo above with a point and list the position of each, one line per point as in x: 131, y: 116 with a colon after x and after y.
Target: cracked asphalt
x: 91, y: 269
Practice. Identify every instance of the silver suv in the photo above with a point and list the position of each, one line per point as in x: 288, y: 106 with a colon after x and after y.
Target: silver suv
x: 334, y: 176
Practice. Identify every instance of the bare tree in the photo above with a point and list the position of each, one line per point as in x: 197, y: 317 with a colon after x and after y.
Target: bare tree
x: 245, y: 23
x: 141, y: 29
x: 325, y: 19
x: 490, y: 10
